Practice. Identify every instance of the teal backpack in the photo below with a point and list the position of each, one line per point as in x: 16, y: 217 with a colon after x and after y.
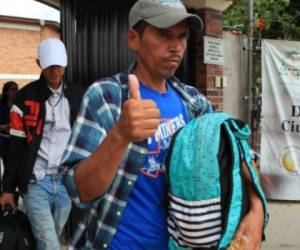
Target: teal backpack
x: 207, y: 196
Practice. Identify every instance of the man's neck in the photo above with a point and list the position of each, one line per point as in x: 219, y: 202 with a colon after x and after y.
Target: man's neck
x: 55, y: 87
x: 152, y: 81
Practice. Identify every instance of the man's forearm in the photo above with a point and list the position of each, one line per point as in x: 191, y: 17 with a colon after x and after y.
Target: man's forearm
x: 250, y: 231
x: 255, y: 202
x: 95, y: 174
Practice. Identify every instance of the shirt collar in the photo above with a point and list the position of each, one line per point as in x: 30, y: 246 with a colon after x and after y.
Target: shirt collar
x: 57, y: 91
x: 175, y: 83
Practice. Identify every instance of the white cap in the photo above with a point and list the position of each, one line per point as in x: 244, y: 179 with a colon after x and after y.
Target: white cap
x: 52, y: 51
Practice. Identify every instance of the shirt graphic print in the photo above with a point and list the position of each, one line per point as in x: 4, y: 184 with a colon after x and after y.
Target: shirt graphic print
x: 158, y: 145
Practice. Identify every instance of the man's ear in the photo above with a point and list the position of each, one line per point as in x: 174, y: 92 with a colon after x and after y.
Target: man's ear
x: 38, y: 63
x: 133, y: 39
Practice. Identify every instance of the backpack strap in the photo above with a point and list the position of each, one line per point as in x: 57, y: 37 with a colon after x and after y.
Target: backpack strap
x: 245, y: 149
x: 235, y: 205
x: 240, y: 133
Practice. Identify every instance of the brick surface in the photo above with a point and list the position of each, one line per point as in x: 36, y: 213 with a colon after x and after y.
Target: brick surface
x: 206, y: 73
x: 18, y: 49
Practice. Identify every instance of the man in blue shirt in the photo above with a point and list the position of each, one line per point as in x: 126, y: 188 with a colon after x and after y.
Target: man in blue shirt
x: 114, y: 162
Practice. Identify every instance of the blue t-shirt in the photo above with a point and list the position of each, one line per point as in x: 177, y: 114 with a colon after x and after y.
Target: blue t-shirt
x: 144, y: 220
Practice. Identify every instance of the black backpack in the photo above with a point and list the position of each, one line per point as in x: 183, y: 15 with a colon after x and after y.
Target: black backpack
x: 15, y: 231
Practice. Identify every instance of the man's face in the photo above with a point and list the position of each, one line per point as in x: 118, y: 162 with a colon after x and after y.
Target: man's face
x: 53, y: 75
x: 160, y: 51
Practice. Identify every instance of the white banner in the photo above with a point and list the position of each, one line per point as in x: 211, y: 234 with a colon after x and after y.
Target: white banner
x: 280, y: 143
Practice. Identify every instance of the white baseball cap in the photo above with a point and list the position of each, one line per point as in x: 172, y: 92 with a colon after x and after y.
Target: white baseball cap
x: 52, y: 51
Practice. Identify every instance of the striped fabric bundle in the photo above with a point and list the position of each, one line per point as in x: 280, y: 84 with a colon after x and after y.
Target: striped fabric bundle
x: 197, y: 223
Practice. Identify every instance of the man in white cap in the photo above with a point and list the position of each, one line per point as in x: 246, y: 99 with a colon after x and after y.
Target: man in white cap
x: 41, y: 120
x: 114, y: 162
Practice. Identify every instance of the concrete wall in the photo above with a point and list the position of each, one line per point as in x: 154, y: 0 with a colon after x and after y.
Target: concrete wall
x: 234, y: 71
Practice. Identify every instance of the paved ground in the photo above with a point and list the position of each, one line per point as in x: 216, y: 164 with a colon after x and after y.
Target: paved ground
x: 283, y: 231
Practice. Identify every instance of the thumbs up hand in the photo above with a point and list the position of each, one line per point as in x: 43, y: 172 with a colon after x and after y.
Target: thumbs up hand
x: 139, y: 118
x: 134, y: 87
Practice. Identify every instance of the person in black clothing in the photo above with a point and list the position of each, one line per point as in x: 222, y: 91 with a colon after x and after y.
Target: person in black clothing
x: 41, y: 121
x: 9, y: 92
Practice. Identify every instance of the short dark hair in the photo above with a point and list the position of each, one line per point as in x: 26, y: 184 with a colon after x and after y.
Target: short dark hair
x: 140, y: 27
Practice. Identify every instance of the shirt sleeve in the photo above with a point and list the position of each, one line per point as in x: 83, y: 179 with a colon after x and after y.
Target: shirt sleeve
x: 17, y: 145
x: 203, y: 105
x: 99, y: 111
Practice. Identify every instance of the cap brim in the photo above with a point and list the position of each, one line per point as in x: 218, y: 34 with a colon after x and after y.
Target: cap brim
x: 51, y: 61
x: 49, y: 64
x: 169, y: 19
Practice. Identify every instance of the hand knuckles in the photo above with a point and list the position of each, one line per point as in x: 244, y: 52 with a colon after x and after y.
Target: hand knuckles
x: 126, y: 104
x: 131, y: 103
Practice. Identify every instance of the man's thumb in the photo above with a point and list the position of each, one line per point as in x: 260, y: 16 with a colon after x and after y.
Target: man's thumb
x: 134, y: 87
